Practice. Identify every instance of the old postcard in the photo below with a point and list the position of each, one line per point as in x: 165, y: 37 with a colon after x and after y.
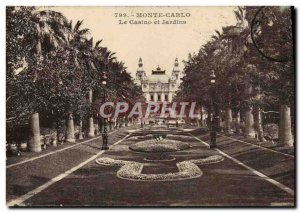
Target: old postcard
x: 150, y: 106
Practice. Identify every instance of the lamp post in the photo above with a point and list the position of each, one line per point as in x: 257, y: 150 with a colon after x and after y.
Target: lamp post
x: 104, y: 133
x: 213, y: 125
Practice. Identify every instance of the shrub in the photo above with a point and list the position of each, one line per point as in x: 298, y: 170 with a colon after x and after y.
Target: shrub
x: 271, y: 131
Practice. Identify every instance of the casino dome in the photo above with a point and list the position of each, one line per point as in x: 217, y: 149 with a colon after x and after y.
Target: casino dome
x: 158, y: 78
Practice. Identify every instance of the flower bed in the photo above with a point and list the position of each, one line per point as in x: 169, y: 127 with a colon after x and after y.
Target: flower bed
x: 165, y: 145
x: 159, y: 157
x: 131, y: 170
x: 141, y: 137
x: 208, y: 160
x: 187, y: 170
x: 112, y: 162
x: 178, y: 137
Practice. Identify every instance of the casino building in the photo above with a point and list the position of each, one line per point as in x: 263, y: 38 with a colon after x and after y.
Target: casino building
x: 158, y: 86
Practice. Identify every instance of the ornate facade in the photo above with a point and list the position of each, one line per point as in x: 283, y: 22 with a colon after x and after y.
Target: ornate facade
x: 158, y: 86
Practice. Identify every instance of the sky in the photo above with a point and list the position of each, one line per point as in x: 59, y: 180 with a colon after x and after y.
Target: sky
x: 156, y: 44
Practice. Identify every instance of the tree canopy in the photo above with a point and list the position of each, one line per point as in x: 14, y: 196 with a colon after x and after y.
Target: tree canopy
x: 52, y: 63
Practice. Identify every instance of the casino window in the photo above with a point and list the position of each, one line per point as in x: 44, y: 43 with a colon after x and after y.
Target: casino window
x: 158, y: 97
x: 151, y: 97
x: 167, y: 97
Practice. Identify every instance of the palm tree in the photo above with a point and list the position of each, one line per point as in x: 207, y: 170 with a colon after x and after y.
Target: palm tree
x: 93, y: 68
x: 78, y: 42
x: 50, y: 32
x: 234, y: 40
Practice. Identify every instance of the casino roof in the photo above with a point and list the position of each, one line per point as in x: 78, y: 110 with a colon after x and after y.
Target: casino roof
x: 158, y: 71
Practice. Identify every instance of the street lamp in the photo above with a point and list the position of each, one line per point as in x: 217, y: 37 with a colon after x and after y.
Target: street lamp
x: 104, y: 133
x: 213, y: 125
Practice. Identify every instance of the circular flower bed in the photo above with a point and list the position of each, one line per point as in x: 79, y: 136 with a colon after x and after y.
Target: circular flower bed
x: 165, y: 145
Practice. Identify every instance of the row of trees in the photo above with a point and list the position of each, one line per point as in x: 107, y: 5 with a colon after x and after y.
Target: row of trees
x: 54, y: 71
x: 254, y: 65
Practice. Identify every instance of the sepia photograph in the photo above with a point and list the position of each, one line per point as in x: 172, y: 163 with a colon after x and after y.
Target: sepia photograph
x: 150, y: 106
